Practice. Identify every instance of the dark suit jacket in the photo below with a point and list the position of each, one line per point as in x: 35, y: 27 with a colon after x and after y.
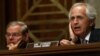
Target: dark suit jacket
x: 94, y: 36
x: 22, y: 45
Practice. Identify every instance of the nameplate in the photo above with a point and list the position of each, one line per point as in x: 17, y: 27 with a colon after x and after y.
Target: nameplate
x: 42, y: 44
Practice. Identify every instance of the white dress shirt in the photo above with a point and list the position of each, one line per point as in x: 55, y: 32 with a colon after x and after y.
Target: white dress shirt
x: 86, y: 40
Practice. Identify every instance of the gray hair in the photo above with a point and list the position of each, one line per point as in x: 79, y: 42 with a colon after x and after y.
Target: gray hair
x: 90, y: 11
x: 24, y: 28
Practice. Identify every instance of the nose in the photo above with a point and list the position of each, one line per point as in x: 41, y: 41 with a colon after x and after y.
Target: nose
x: 10, y: 37
x: 75, y: 21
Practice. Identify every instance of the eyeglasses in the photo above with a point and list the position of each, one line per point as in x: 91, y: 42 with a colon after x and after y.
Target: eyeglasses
x: 13, y: 34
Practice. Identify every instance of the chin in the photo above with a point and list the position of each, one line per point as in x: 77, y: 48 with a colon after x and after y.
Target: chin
x: 78, y: 33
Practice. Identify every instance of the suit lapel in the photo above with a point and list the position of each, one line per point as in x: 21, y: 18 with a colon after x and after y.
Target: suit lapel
x: 95, y: 36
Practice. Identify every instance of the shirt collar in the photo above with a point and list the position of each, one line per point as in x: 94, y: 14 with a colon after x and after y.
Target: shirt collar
x: 87, y: 36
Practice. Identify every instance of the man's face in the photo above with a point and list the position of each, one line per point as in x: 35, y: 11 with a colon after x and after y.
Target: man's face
x: 79, y: 21
x: 13, y: 34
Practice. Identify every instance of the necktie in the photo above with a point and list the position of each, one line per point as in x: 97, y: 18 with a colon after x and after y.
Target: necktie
x: 83, y: 41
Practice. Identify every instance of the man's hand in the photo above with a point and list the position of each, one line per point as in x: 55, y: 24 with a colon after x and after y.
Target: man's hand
x: 12, y: 46
x: 72, y: 35
x: 66, y: 42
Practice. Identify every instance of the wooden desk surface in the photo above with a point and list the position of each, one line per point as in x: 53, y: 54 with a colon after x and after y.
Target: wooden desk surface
x: 71, y: 50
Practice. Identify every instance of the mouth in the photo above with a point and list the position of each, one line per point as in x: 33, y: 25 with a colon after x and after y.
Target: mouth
x: 10, y: 42
x: 77, y: 28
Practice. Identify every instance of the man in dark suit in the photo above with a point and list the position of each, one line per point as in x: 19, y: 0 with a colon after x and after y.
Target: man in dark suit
x: 81, y: 25
x: 17, y: 35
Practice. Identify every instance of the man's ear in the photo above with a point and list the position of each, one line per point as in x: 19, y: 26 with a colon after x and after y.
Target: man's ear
x: 26, y: 37
x: 92, y: 22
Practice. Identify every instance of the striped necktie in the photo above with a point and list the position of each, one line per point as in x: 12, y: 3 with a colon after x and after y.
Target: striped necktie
x: 83, y: 41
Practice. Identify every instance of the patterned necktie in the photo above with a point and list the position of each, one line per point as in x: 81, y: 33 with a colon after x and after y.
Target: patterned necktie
x: 83, y: 41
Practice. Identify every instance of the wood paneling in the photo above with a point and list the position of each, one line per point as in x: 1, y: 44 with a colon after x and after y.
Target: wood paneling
x: 42, y: 16
x: 2, y: 24
x: 70, y: 50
